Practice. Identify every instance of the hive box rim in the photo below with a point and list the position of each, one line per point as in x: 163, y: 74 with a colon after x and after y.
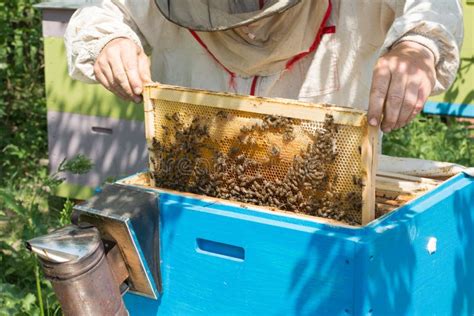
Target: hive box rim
x: 386, y: 221
x: 255, y: 210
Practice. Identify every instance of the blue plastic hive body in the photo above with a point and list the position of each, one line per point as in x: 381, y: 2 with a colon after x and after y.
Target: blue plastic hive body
x: 226, y: 260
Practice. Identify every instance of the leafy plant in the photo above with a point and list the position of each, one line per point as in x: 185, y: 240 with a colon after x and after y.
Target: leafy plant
x: 16, y: 301
x: 25, y: 184
x: 433, y: 138
x: 24, y: 215
x: 78, y: 165
x: 66, y: 212
x: 23, y: 136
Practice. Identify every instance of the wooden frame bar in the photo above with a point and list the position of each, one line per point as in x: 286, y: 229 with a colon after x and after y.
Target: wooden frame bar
x: 280, y: 107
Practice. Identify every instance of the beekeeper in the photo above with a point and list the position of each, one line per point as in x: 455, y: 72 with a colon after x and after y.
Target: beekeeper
x: 384, y: 56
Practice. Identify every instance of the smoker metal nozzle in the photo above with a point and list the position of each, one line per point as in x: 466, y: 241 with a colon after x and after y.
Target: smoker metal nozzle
x: 68, y: 244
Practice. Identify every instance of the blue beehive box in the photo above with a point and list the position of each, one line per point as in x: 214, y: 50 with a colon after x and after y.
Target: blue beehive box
x: 222, y: 258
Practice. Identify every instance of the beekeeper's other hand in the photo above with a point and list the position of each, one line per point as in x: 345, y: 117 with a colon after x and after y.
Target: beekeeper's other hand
x: 123, y: 68
x: 402, y: 81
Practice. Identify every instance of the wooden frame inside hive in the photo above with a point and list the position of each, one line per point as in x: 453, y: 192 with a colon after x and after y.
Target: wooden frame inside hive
x: 227, y: 116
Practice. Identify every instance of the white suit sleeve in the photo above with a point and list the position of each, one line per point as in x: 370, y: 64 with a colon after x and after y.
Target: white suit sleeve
x: 436, y: 24
x: 89, y: 30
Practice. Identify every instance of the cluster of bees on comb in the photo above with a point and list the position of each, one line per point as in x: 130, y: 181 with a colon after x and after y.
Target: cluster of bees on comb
x: 188, y: 160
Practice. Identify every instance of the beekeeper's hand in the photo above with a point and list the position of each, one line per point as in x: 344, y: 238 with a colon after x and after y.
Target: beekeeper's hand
x: 402, y: 81
x: 123, y: 68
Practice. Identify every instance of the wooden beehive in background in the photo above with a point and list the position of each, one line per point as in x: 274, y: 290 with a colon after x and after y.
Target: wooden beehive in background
x: 293, y: 156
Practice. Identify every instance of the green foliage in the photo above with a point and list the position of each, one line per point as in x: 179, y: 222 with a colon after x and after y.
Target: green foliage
x: 25, y: 185
x: 24, y: 218
x: 24, y: 215
x: 80, y: 164
x: 23, y: 137
x: 433, y: 138
x: 66, y: 212
x: 15, y: 301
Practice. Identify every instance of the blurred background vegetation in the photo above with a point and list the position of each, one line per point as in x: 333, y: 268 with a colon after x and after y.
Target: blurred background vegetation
x: 27, y: 208
x: 23, y: 145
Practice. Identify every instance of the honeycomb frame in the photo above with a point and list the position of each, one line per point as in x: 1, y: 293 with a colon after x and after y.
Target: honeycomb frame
x: 359, y: 159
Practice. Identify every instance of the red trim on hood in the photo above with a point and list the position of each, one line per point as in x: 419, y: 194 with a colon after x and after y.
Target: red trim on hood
x: 232, y: 74
x: 329, y: 29
x: 321, y: 31
x: 253, y: 87
x: 261, y: 3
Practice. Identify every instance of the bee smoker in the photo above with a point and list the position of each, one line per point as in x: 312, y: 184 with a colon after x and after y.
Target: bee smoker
x: 112, y: 248
x: 74, y: 260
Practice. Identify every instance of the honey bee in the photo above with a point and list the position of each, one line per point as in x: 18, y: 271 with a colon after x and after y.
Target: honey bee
x: 357, y: 181
x: 245, y: 129
x: 240, y: 158
x: 234, y: 150
x: 274, y: 151
x: 222, y: 115
x: 288, y: 136
x: 258, y: 195
x: 175, y: 117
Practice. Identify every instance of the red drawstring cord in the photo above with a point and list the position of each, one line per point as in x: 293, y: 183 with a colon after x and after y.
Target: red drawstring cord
x: 232, y: 74
x: 254, y: 85
x: 322, y: 30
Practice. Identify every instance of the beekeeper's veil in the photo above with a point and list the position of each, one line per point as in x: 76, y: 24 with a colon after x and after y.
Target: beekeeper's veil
x: 252, y: 37
x: 219, y: 15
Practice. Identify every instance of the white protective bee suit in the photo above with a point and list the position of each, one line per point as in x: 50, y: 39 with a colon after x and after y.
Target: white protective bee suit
x: 317, y: 50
